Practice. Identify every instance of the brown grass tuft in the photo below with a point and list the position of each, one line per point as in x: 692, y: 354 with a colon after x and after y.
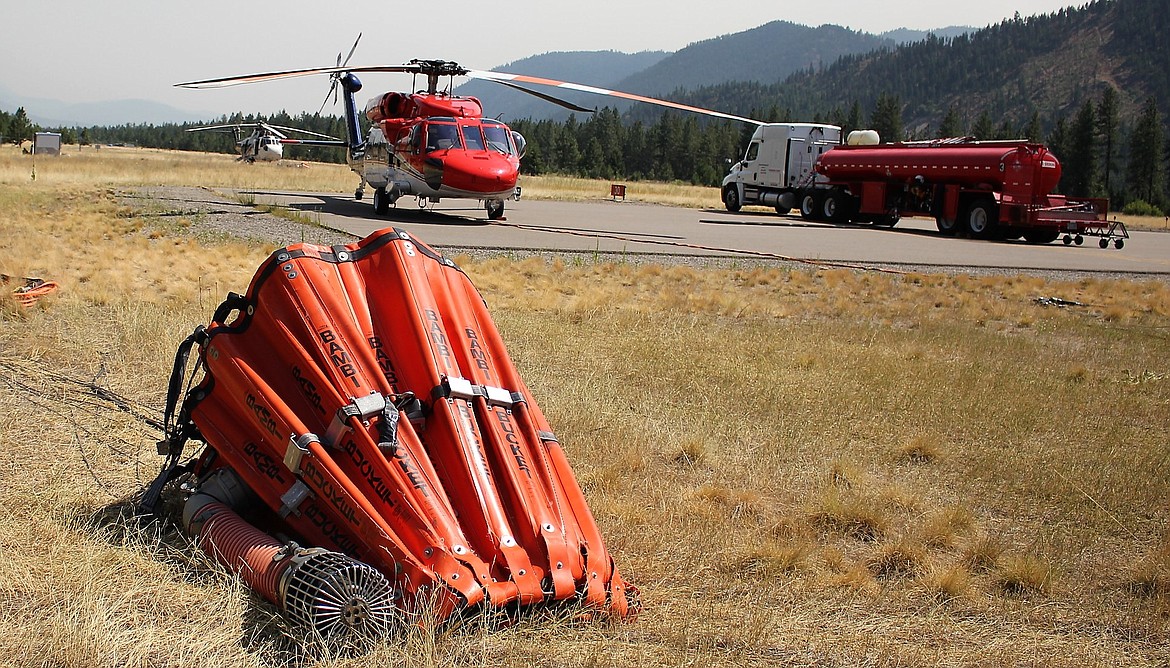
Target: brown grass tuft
x: 900, y: 559
x: 947, y: 583
x: 1023, y: 574
x: 1150, y: 576
x: 691, y: 452
x: 922, y: 449
x: 849, y: 515
x: 772, y: 560
x: 943, y: 528
x: 983, y: 554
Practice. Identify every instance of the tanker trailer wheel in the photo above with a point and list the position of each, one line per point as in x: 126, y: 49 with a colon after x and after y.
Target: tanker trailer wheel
x: 835, y: 208
x: 809, y: 206
x: 981, y: 217
x: 731, y: 198
x: 1041, y: 235
x: 947, y: 226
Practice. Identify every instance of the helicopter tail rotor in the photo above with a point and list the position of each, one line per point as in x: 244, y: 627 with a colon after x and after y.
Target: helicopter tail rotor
x: 335, y: 77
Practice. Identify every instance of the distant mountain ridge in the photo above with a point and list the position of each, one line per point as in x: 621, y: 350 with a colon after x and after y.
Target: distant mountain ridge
x: 595, y: 68
x: 767, y: 54
x: 56, y: 113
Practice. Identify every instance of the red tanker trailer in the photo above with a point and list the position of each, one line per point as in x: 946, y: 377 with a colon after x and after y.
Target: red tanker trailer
x: 986, y: 189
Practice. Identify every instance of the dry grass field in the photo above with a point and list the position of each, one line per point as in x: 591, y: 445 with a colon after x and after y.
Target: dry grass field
x: 797, y: 467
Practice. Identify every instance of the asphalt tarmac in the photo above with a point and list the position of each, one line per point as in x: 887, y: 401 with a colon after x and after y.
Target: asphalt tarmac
x: 629, y: 227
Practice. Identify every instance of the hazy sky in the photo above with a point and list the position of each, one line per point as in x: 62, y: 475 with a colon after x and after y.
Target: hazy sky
x: 83, y: 50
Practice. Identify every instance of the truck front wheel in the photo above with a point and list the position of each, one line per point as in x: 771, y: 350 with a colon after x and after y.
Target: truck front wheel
x: 809, y: 206
x: 731, y: 199
x: 982, y: 217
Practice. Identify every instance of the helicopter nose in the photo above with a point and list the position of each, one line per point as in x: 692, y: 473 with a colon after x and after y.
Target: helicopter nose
x: 480, y: 172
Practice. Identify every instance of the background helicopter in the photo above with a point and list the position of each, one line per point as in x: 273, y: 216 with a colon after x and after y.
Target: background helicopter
x: 266, y: 143
x: 432, y: 144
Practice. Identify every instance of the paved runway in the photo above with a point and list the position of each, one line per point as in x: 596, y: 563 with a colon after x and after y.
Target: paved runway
x: 630, y: 227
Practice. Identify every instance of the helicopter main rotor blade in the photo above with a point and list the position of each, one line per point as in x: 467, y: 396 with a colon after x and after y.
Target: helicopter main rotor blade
x: 439, y: 68
x: 272, y: 129
x: 222, y: 82
x: 307, y: 132
x: 546, y: 97
x: 507, y: 79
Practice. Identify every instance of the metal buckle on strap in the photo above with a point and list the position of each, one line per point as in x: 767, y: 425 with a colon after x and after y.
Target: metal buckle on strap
x: 298, y: 447
x: 461, y: 388
x: 360, y: 407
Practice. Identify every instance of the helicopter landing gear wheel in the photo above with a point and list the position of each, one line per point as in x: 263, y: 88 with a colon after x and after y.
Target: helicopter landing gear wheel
x: 495, y: 209
x: 381, y: 202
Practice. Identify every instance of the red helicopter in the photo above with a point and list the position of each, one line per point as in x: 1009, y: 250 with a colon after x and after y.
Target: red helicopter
x: 433, y: 144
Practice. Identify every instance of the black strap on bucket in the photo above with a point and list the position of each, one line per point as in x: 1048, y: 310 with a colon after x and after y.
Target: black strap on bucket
x: 178, y: 428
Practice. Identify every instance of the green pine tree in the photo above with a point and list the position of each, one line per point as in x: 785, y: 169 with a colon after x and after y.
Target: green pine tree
x: 1146, y: 170
x: 1107, y: 122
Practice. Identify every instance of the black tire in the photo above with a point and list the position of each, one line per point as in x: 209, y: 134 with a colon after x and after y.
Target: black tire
x: 1041, y: 236
x: 981, y: 218
x: 495, y: 209
x: 835, y: 207
x: 381, y: 202
x: 731, y: 199
x: 947, y: 226
x: 810, y: 206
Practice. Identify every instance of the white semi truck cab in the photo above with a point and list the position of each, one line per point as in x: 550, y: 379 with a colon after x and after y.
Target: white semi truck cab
x: 777, y: 160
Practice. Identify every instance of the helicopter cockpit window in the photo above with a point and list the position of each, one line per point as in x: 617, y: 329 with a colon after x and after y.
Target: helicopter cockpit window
x: 441, y: 136
x: 472, y: 139
x: 497, y: 138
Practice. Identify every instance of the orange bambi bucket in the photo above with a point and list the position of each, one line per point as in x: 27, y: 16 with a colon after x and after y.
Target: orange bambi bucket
x: 363, y: 398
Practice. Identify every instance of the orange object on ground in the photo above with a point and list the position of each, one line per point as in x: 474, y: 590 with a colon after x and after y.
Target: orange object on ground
x: 32, y: 290
x: 363, y: 393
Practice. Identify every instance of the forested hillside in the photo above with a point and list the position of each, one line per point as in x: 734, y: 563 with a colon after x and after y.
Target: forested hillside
x: 1047, y: 65
x: 767, y: 54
